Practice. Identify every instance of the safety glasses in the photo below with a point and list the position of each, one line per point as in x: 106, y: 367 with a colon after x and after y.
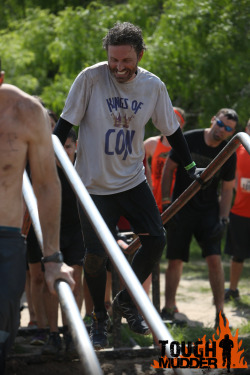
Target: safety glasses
x: 222, y: 125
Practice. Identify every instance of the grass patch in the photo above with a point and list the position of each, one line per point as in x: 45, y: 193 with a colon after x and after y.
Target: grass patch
x: 130, y: 339
x: 245, y: 329
x: 191, y: 334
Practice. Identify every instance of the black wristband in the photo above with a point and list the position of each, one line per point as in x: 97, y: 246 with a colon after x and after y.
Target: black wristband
x: 57, y: 257
x: 62, y: 129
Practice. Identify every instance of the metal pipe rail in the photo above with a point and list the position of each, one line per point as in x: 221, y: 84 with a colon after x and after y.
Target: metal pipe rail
x: 121, y: 264
x: 31, y: 203
x: 79, y: 333
x: 212, y: 168
x: 78, y: 330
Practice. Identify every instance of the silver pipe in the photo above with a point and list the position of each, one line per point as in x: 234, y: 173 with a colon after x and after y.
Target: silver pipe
x: 31, y: 203
x: 80, y: 335
x: 244, y: 139
x: 121, y: 264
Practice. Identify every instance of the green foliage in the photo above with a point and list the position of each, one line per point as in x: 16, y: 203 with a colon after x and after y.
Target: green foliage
x: 201, y: 49
x: 198, y: 48
x: 24, y: 51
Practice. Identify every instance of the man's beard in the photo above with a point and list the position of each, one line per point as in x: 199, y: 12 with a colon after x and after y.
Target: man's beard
x: 122, y: 78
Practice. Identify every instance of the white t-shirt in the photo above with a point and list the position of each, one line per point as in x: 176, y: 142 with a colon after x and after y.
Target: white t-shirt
x: 112, y: 118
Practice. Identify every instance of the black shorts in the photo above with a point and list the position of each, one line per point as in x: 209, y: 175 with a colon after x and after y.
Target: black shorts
x: 34, y: 252
x: 238, y: 237
x: 12, y: 283
x: 72, y: 247
x: 187, y: 223
x: 137, y: 205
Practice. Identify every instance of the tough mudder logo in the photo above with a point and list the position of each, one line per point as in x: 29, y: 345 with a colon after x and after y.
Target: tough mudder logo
x: 223, y: 352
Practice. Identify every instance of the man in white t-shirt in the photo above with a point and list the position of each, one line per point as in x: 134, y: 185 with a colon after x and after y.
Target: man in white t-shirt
x: 111, y: 102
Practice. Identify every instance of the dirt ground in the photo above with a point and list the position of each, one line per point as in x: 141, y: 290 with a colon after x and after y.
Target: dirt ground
x: 195, y: 306
x: 194, y: 300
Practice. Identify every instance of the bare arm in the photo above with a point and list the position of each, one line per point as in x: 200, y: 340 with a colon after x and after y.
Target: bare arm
x: 47, y: 189
x: 149, y: 146
x: 226, y: 197
x: 148, y: 174
x: 166, y: 180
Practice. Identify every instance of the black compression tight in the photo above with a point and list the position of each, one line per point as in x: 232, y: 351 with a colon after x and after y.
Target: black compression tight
x: 95, y: 275
x: 146, y: 257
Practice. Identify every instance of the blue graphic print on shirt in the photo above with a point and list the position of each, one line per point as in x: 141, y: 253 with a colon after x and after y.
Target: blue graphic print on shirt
x: 116, y: 102
x: 123, y: 142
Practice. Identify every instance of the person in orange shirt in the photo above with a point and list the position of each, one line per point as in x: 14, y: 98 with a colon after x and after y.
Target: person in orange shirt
x: 238, y: 234
x: 157, y: 148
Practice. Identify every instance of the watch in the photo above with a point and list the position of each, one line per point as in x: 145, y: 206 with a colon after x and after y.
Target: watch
x: 55, y: 258
x: 224, y: 220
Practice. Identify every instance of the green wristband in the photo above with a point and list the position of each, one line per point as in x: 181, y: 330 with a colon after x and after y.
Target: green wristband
x: 189, y: 166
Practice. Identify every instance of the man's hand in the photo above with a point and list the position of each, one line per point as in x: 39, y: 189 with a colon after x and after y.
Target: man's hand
x: 55, y: 271
x: 195, y: 173
x: 219, y: 230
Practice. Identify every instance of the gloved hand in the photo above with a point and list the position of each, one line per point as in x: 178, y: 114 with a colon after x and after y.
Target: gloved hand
x: 219, y: 230
x: 194, y: 173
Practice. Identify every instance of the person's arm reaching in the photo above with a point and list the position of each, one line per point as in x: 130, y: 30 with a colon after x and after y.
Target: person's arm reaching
x: 226, y: 198
x: 225, y: 206
x: 166, y: 180
x: 62, y: 129
x: 180, y: 146
x: 48, y: 193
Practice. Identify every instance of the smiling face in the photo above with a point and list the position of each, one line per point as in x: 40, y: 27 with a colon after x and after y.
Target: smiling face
x: 123, y: 61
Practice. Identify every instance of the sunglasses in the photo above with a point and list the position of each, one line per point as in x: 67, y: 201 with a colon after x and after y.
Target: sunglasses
x: 222, y: 125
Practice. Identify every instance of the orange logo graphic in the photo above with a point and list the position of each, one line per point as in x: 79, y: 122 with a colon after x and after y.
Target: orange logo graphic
x: 221, y: 352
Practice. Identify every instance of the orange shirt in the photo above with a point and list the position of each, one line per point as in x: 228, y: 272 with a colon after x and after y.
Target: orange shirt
x: 157, y: 163
x: 241, y: 205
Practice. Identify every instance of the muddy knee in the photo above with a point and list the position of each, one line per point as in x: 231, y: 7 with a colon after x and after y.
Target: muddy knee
x: 94, y: 264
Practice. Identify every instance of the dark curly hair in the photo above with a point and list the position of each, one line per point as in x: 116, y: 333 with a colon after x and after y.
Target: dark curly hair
x: 124, y: 34
x: 229, y: 113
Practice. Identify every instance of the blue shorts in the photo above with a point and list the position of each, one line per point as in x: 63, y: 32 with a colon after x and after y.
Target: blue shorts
x: 187, y: 223
x: 137, y: 205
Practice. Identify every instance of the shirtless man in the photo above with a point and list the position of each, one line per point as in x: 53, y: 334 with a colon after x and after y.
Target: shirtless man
x: 25, y: 135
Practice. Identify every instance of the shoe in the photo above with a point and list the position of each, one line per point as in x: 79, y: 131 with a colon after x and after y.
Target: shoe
x: 108, y: 307
x: 39, y: 338
x: 32, y: 325
x: 129, y: 311
x: 99, y: 330
x: 87, y: 320
x: 217, y: 320
x: 53, y: 345
x: 69, y: 344
x: 231, y: 295
x: 168, y: 313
